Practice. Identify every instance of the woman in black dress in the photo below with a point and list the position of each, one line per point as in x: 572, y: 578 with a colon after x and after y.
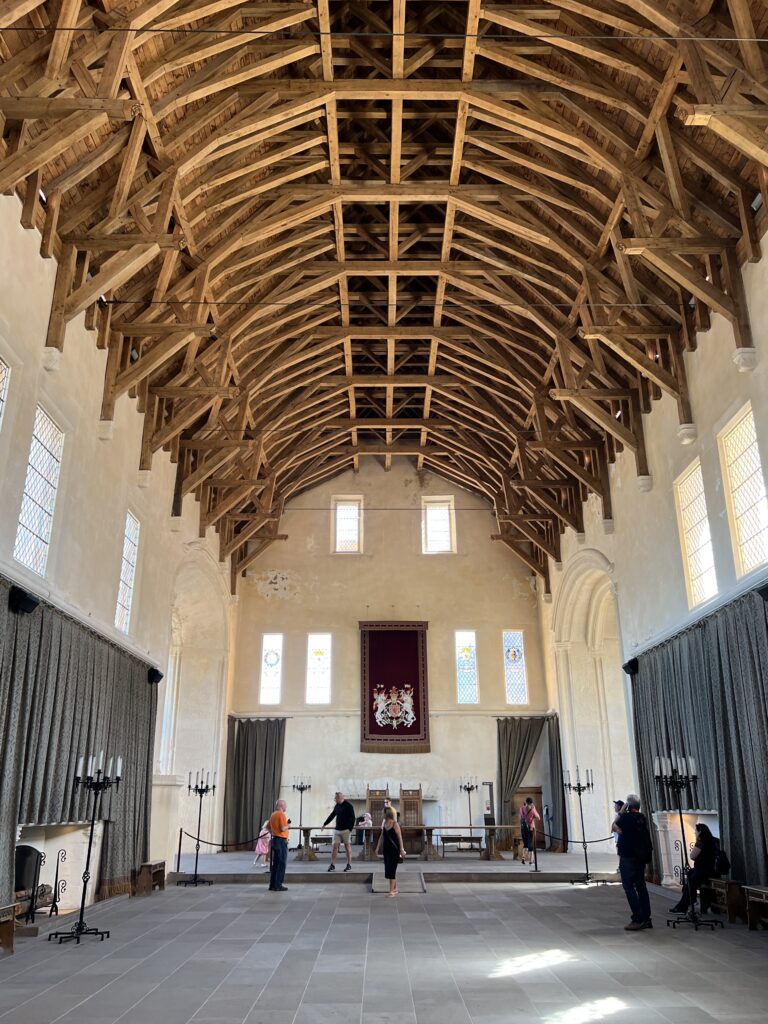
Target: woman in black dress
x: 391, y: 845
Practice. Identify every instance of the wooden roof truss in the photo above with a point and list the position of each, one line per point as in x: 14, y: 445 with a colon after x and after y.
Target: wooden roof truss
x: 479, y: 237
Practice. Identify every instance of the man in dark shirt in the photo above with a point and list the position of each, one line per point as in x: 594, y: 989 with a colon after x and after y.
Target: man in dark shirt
x: 634, y: 849
x: 344, y: 813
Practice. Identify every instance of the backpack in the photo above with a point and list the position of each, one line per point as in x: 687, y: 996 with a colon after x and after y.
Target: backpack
x: 721, y: 865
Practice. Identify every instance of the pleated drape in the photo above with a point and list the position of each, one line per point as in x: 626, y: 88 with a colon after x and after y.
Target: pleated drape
x: 65, y: 690
x: 559, y: 843
x: 704, y: 694
x: 254, y: 769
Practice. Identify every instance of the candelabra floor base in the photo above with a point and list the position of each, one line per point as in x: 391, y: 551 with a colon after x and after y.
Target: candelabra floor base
x: 195, y: 881
x: 76, y: 933
x: 695, y: 920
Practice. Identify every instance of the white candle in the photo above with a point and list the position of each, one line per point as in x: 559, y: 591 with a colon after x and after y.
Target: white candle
x: 91, y: 764
x: 101, y: 761
x: 692, y: 767
x: 189, y: 783
x: 80, y: 761
x: 109, y: 767
x: 197, y: 780
x: 207, y: 778
x: 214, y: 780
x: 119, y: 767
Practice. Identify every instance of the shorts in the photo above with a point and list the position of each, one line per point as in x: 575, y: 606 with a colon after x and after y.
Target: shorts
x: 342, y: 835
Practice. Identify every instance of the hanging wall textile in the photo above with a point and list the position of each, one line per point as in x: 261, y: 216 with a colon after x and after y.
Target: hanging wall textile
x: 394, y: 710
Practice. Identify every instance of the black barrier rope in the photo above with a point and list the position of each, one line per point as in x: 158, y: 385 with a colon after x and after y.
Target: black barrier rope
x: 547, y: 835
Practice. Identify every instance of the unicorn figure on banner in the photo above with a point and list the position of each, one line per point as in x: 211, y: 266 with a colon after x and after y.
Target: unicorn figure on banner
x: 394, y: 707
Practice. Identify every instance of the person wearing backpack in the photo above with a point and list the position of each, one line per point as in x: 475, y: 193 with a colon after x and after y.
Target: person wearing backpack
x: 703, y: 855
x: 635, y: 850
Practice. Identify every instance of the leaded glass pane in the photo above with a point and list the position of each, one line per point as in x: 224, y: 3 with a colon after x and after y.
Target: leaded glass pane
x: 515, y: 680
x: 271, y: 668
x: 748, y: 497
x: 348, y: 526
x: 127, y: 572
x: 5, y: 373
x: 36, y: 516
x: 319, y: 668
x: 466, y: 666
x: 696, y: 538
x: 436, y: 527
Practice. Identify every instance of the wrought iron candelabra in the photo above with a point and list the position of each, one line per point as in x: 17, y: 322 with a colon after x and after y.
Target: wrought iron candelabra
x: 59, y: 886
x: 201, y: 789
x: 301, y: 784
x: 677, y: 774
x: 96, y: 782
x: 579, y: 788
x: 469, y: 785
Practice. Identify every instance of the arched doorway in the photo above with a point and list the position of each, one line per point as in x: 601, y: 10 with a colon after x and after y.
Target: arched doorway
x: 191, y: 708
x: 593, y: 694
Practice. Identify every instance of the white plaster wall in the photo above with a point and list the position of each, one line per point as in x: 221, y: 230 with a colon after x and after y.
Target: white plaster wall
x: 99, y: 483
x: 299, y: 586
x: 642, y: 556
x: 99, y: 479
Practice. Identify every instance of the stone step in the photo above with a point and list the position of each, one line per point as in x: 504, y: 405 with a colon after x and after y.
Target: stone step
x: 410, y: 882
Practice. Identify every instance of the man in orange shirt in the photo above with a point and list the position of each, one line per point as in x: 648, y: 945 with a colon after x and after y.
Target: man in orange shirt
x: 278, y: 827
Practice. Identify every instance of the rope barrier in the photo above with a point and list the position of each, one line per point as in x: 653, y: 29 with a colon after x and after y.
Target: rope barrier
x: 437, y: 828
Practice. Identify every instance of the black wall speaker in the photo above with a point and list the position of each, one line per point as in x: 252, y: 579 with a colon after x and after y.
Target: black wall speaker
x: 154, y: 675
x: 631, y: 667
x: 21, y: 602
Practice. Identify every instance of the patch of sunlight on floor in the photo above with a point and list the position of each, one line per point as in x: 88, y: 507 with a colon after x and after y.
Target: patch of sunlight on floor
x: 597, y: 1010
x: 530, y: 962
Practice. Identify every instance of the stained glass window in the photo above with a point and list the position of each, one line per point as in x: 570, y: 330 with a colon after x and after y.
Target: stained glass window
x: 271, y: 668
x: 698, y: 558
x: 319, y: 668
x: 466, y: 666
x: 347, y: 525
x: 5, y: 373
x: 438, y: 532
x: 127, y: 572
x: 745, y: 485
x: 515, y: 680
x: 33, y: 536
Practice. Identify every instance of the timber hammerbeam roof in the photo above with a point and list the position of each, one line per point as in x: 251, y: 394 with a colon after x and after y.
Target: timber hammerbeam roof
x: 480, y: 237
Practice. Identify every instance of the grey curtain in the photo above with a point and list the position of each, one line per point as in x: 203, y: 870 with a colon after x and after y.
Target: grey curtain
x: 65, y: 690
x: 517, y: 741
x: 559, y: 843
x: 254, y: 769
x: 704, y: 694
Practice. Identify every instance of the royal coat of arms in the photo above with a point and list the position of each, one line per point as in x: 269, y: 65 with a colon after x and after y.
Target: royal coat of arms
x: 394, y: 707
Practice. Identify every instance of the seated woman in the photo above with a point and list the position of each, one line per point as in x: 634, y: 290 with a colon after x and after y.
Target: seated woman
x: 703, y: 857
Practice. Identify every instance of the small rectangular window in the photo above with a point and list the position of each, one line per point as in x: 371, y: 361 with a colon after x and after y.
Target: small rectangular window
x: 127, y: 572
x: 695, y: 539
x: 745, y: 492
x: 33, y: 536
x: 438, y: 526
x: 466, y: 666
x: 515, y: 679
x: 271, y: 668
x: 347, y: 525
x: 5, y: 375
x: 319, y: 668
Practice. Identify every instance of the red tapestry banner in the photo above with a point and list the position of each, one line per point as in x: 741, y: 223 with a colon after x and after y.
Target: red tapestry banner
x: 394, y: 708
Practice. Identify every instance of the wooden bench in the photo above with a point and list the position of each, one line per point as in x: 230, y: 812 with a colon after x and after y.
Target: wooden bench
x: 473, y: 841
x: 7, y: 926
x: 757, y: 906
x: 726, y: 896
x: 318, y: 841
x: 151, y: 876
